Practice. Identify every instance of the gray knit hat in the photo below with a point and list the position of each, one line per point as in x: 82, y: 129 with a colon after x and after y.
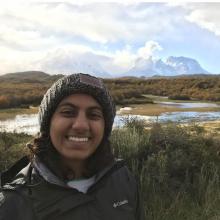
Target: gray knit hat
x: 71, y: 84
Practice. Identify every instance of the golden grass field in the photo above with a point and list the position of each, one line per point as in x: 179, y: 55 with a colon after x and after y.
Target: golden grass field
x: 11, y: 113
x: 157, y: 109
x: 140, y: 109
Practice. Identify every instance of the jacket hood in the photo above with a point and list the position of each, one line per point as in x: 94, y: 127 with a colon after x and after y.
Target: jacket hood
x: 20, y: 167
x: 23, y: 172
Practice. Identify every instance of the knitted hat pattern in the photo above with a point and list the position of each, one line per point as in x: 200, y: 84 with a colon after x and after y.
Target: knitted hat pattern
x: 72, y: 84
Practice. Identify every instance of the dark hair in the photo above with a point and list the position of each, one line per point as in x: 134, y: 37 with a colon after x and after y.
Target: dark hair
x: 43, y: 148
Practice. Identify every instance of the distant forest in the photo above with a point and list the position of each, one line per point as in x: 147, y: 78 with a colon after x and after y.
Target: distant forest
x: 25, y: 89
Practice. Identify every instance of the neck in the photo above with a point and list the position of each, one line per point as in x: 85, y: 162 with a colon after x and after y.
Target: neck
x: 74, y: 169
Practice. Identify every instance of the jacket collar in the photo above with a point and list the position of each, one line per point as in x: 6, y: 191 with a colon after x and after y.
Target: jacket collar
x: 46, y: 173
x: 51, y: 178
x: 8, y: 175
x: 19, y: 173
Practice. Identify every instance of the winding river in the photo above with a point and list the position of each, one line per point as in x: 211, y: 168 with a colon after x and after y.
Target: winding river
x: 29, y: 123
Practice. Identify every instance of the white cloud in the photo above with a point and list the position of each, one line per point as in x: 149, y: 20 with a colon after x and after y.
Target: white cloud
x: 148, y: 50
x: 14, y: 61
x: 206, y: 15
x: 124, y: 58
x: 91, y: 22
x: 39, y: 35
x: 96, y: 22
x: 37, y: 25
x: 66, y: 59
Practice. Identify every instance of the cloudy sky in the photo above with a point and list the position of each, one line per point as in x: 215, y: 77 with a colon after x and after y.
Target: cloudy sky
x: 53, y: 37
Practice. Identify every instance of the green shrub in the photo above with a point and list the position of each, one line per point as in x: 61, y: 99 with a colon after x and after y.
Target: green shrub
x: 178, y: 169
x: 11, y: 148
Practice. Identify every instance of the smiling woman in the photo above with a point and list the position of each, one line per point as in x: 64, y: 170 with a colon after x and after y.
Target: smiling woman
x: 77, y: 129
x: 71, y: 172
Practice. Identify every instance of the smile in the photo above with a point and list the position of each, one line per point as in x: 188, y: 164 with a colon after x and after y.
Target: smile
x: 78, y: 139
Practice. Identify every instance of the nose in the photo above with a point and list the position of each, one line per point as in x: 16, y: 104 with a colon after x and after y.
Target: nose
x: 80, y: 123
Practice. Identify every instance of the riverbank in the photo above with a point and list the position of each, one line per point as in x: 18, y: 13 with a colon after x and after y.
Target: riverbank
x: 12, y: 112
x: 207, y: 114
x: 159, y: 106
x: 158, y: 109
x: 211, y: 126
x: 206, y: 127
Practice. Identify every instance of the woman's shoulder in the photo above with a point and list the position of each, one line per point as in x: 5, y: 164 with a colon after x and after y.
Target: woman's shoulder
x: 121, y: 176
x: 14, y: 205
x: 12, y: 195
x: 2, y: 198
x: 10, y: 200
x: 122, y: 170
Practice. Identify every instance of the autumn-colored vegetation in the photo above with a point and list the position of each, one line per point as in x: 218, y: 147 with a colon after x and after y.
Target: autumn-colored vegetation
x: 21, y: 94
x: 181, y: 88
x: 25, y: 90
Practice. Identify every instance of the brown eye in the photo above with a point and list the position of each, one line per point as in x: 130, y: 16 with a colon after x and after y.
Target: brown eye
x: 95, y: 115
x: 68, y: 112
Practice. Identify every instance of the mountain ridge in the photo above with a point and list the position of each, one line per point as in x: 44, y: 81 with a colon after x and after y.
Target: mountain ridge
x: 171, y: 66
x: 17, y: 77
x: 150, y: 67
x: 29, y: 77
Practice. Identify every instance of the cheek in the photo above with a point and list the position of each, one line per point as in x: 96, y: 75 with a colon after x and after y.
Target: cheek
x: 53, y: 134
x: 53, y: 127
x: 100, y: 128
x: 58, y: 124
x: 56, y: 128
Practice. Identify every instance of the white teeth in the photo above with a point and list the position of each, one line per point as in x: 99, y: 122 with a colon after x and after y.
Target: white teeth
x: 70, y: 138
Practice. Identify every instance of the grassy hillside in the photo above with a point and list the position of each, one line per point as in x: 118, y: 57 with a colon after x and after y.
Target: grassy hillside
x: 28, y: 77
x: 24, y: 88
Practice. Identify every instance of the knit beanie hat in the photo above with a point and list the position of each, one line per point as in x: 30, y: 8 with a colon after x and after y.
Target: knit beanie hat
x: 71, y: 84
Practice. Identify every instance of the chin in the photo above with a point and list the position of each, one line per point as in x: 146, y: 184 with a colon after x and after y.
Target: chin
x: 76, y: 156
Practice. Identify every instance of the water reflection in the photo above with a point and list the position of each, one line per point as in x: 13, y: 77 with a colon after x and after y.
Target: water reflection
x: 183, y: 117
x: 190, y: 116
x: 189, y: 104
x: 21, y: 124
x: 29, y: 123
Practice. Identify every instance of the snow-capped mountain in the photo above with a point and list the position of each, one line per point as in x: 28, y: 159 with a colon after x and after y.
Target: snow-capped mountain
x: 185, y: 65
x: 86, y: 67
x: 90, y: 63
x: 170, y: 67
x: 67, y: 63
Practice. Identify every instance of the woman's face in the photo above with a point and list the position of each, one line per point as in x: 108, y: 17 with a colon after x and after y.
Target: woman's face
x: 77, y: 127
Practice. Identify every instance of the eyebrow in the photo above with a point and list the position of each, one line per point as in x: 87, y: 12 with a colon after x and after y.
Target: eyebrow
x: 69, y: 104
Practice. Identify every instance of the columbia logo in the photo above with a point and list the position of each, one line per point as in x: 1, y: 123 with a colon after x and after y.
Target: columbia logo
x: 120, y: 203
